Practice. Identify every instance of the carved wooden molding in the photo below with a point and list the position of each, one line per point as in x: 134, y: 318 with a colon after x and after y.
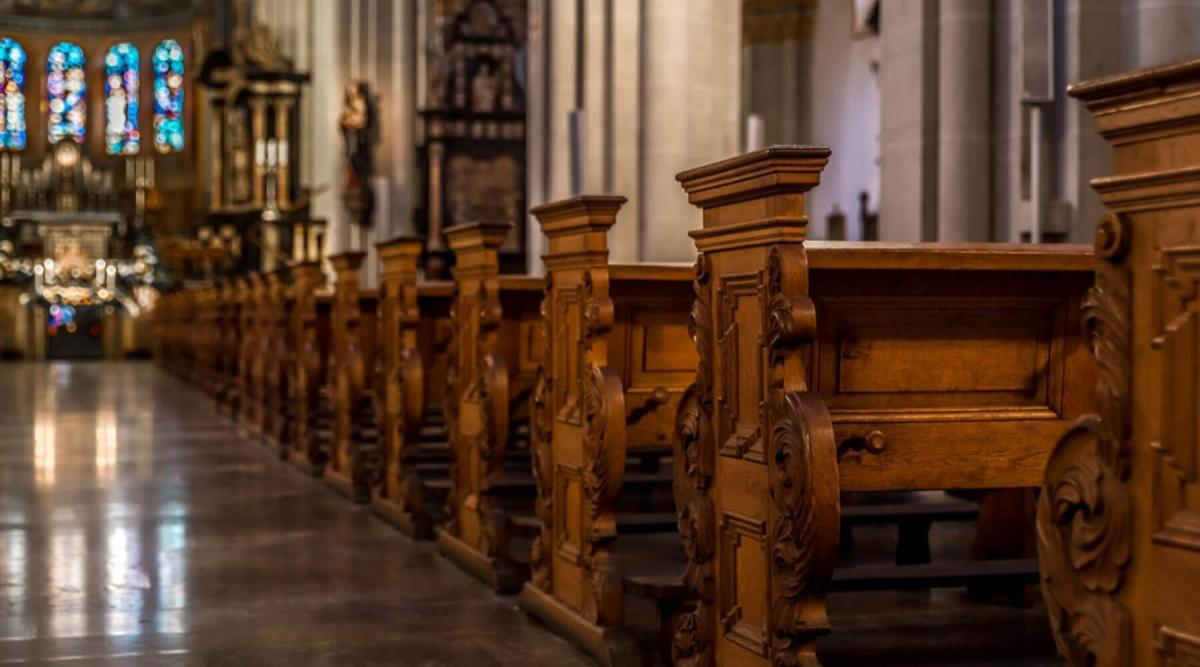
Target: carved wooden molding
x: 603, y: 399
x: 450, y: 400
x: 541, y: 432
x: 802, y: 470
x: 1084, y: 516
x: 694, y: 461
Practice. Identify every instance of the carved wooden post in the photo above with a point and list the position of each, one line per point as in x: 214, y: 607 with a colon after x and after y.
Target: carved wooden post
x: 759, y: 562
x: 307, y: 366
x: 345, y: 469
x: 275, y: 402
x: 578, y: 405
x: 474, y: 534
x: 396, y: 495
x: 1119, y: 514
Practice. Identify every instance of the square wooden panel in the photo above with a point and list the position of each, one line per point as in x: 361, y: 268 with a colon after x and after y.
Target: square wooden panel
x: 661, y: 352
x: 744, y: 567
x: 947, y: 356
x: 738, y: 377
x: 1177, y: 311
x: 565, y: 349
x: 568, y: 513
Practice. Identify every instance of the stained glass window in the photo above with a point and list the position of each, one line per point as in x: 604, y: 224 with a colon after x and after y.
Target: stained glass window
x: 66, y: 93
x: 168, y: 96
x: 121, y: 79
x: 12, y: 94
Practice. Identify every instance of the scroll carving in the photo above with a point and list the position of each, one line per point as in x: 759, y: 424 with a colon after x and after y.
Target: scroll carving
x: 490, y: 388
x: 1084, y: 516
x: 541, y: 430
x: 802, y: 471
x: 603, y: 451
x: 694, y: 463
x: 450, y: 409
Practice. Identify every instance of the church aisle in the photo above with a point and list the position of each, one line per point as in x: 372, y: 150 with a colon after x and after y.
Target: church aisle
x: 136, y: 528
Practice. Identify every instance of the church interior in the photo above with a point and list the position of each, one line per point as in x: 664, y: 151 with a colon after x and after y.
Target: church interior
x: 707, y: 333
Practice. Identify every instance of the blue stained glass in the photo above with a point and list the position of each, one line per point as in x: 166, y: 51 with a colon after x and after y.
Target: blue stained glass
x: 66, y: 93
x: 121, y: 79
x: 12, y: 94
x: 168, y: 96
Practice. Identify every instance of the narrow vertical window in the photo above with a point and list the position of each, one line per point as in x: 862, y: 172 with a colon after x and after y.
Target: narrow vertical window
x: 121, y: 80
x: 66, y: 93
x: 12, y: 94
x: 168, y: 97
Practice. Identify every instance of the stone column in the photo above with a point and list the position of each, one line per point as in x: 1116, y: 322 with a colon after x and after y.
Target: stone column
x: 908, y: 121
x: 690, y: 108
x: 1167, y: 30
x: 325, y: 100
x: 964, y: 121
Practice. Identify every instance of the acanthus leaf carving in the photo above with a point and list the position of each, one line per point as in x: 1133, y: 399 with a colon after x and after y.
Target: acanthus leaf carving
x: 802, y: 471
x: 694, y: 461
x: 541, y: 432
x: 1084, y: 516
x: 603, y: 400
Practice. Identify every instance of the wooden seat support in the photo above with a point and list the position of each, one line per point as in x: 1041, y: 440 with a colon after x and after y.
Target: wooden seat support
x: 310, y: 324
x: 1119, y: 513
x: 352, y: 456
x: 397, y: 494
x: 497, y: 342
x: 616, y: 362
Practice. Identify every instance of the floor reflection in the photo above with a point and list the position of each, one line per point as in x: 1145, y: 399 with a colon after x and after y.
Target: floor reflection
x: 135, y: 527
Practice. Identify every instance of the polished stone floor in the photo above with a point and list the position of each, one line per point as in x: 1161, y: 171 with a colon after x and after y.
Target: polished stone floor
x: 136, y: 529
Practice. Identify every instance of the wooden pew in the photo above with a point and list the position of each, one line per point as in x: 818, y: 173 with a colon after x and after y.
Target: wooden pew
x: 353, y: 451
x: 497, y: 345
x: 232, y: 346
x: 616, y: 363
x: 847, y: 367
x: 414, y: 342
x: 311, y: 335
x: 1119, y: 513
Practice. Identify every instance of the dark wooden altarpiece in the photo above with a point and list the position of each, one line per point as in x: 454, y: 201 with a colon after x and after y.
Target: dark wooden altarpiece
x: 472, y: 152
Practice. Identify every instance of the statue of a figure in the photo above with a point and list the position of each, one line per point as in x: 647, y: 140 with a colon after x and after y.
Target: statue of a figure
x: 360, y: 133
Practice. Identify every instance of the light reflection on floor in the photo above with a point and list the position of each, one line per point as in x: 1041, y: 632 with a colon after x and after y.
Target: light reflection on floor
x: 136, y: 528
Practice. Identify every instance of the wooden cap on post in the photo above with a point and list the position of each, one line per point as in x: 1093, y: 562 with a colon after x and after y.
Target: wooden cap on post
x: 759, y: 194
x: 577, y: 228
x: 306, y: 273
x: 1150, y: 116
x: 347, y: 264
x: 400, y: 255
x: 477, y: 244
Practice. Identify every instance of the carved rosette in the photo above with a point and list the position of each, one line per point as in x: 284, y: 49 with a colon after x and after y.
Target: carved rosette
x: 1084, y: 517
x: 802, y: 473
x: 694, y: 461
x: 541, y: 431
x: 603, y: 440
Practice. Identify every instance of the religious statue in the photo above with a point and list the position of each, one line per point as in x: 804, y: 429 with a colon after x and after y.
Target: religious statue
x: 360, y: 133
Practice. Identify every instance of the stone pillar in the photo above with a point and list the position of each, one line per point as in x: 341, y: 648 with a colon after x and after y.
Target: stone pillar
x: 325, y: 101
x: 1167, y: 30
x: 908, y: 121
x: 1096, y: 31
x: 690, y: 109
x: 964, y: 121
